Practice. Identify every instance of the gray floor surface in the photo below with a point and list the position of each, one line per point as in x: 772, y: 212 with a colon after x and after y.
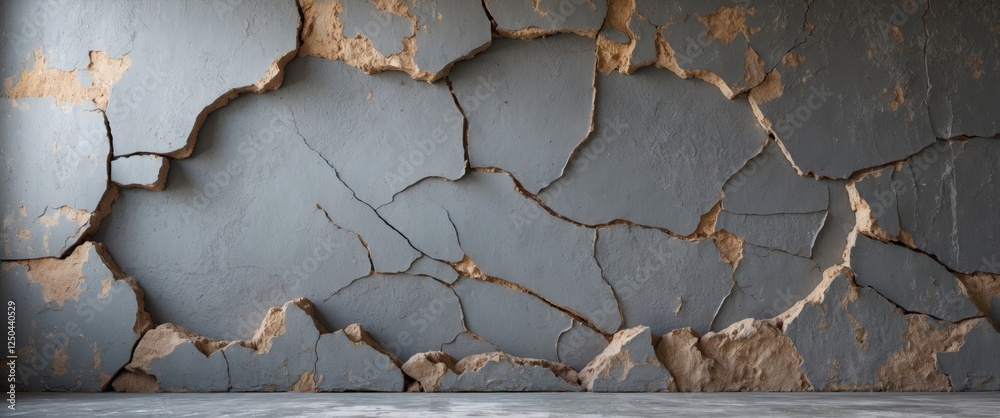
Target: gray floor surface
x: 506, y: 404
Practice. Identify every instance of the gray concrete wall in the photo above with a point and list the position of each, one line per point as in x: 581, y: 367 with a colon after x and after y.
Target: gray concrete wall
x: 507, y: 195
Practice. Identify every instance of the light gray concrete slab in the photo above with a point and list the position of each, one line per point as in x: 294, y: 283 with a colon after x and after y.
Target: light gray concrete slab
x: 523, y: 404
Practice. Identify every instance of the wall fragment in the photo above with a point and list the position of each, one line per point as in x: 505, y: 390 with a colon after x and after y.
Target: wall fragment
x: 629, y: 364
x: 816, y: 112
x: 77, y: 319
x: 628, y: 148
x: 491, y: 372
x: 145, y: 171
x: 534, y: 18
x: 54, y: 179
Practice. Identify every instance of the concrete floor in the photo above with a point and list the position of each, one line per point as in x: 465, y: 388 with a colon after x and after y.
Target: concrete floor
x: 492, y: 404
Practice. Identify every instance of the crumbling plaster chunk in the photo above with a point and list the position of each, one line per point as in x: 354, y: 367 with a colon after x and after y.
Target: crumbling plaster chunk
x: 510, y: 95
x: 649, y: 271
x: 405, y: 314
x: 178, y: 361
x: 145, y: 171
x: 534, y: 18
x: 467, y: 344
x: 350, y: 360
x: 580, y: 344
x: 531, y: 328
x: 912, y: 280
x: 732, y: 45
x: 653, y: 134
x: 508, y: 236
x: 844, y: 334
x: 628, y: 364
x: 833, y: 126
x: 627, y: 41
x: 973, y: 366
x: 747, y: 356
x: 54, y: 177
x: 282, y: 352
x: 915, y: 367
x: 946, y: 203
x: 962, y: 63
x: 78, y: 319
x: 766, y: 283
x: 255, y: 219
x: 876, y: 204
x: 489, y: 372
x: 441, y: 33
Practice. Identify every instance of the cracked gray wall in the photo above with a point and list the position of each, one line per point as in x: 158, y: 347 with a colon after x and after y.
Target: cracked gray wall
x: 554, y: 195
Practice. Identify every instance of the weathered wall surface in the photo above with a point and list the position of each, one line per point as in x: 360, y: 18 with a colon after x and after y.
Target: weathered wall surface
x: 507, y: 195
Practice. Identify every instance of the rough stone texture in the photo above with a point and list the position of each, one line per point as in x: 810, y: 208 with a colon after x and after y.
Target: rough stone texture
x: 747, y: 356
x: 145, y: 171
x: 915, y: 366
x: 766, y: 283
x: 627, y: 41
x: 648, y: 270
x: 731, y: 44
x: 158, y: 104
x: 844, y: 334
x: 53, y: 179
x: 828, y: 251
x: 815, y: 111
x: 962, y: 68
x: 628, y: 364
x: 77, y: 319
x: 507, y: 236
x: 911, y: 280
x: 617, y: 173
x: 945, y: 200
x: 970, y: 367
x: 505, y: 92
x: 533, y: 18
x: 436, y: 371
